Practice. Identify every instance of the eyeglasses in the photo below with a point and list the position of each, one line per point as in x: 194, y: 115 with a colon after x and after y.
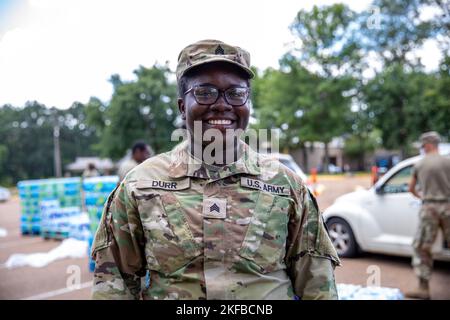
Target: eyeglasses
x: 235, y: 96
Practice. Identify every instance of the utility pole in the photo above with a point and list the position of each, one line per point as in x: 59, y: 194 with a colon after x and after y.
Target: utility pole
x: 56, y: 151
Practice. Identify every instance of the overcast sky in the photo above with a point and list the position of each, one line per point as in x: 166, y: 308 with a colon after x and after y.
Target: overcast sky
x: 61, y: 51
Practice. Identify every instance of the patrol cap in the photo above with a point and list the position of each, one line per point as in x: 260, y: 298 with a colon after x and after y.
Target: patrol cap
x: 430, y: 137
x: 207, y: 51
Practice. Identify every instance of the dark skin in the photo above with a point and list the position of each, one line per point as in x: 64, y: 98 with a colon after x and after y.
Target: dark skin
x: 141, y: 155
x: 222, y: 76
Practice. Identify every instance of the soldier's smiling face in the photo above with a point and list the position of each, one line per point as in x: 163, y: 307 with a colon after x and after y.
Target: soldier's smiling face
x: 219, y: 115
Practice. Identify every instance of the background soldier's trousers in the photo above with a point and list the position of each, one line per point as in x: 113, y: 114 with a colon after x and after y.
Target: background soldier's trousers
x: 433, y: 215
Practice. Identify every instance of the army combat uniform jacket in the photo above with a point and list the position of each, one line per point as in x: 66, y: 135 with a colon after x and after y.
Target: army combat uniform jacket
x: 248, y: 230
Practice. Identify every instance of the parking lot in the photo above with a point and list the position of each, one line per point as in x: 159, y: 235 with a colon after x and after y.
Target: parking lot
x: 50, y: 282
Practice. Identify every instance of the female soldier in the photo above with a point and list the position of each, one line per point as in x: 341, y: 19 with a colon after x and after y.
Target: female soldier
x: 242, y: 228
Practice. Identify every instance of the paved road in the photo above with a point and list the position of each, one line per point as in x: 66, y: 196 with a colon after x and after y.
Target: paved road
x: 50, y: 282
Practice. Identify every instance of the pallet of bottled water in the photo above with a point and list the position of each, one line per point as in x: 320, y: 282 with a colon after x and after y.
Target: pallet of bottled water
x: 58, y: 222
x: 96, y: 191
x: 357, y: 292
x: 32, y: 193
x: 91, y: 262
x: 79, y: 227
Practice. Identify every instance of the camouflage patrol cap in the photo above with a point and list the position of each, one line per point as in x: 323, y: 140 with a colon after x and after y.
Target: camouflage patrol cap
x: 207, y: 51
x: 430, y: 137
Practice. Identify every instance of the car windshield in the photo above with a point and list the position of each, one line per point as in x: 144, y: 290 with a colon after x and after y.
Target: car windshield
x: 399, y: 182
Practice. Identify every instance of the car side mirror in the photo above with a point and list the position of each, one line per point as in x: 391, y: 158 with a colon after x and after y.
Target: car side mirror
x: 379, y: 190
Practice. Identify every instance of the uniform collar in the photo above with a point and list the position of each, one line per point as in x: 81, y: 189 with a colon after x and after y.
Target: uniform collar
x: 183, y: 164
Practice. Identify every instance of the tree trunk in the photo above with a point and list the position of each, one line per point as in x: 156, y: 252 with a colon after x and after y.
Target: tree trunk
x: 56, y: 152
x: 361, y: 154
x: 404, y: 151
x: 326, y: 159
x: 305, y: 158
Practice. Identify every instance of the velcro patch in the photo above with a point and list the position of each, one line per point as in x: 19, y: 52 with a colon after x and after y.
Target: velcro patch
x: 215, y: 208
x: 165, y: 185
x: 260, y: 185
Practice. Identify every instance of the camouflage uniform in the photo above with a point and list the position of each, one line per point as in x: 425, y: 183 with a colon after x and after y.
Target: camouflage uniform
x: 268, y: 240
x: 432, y: 216
x: 432, y: 173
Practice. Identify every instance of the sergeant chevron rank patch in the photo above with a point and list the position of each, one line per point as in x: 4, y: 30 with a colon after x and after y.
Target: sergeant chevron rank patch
x: 260, y: 185
x: 215, y: 208
x: 219, y: 50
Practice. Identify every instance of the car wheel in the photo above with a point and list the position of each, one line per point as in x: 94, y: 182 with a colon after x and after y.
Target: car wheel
x: 341, y: 234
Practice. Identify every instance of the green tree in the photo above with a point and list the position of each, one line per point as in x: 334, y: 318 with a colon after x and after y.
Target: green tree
x: 144, y: 109
x: 26, y: 151
x: 404, y: 103
x: 27, y: 136
x: 329, y: 51
x: 402, y: 100
x: 433, y: 101
x: 76, y: 136
x: 328, y: 40
x: 396, y: 29
x: 359, y: 143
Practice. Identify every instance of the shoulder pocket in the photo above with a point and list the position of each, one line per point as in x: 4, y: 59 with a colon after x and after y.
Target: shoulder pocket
x: 316, y: 238
x: 324, y: 246
x: 101, y: 238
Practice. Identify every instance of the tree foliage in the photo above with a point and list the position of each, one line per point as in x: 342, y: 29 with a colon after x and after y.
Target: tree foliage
x: 404, y: 103
x: 347, y: 74
x: 26, y: 135
x: 144, y: 109
x: 395, y: 29
x: 307, y: 96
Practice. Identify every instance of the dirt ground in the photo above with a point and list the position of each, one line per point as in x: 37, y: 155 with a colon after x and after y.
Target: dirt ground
x: 50, y: 282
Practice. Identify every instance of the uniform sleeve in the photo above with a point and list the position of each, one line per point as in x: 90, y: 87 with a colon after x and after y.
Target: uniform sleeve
x: 311, y: 257
x: 118, y: 249
x: 414, y: 170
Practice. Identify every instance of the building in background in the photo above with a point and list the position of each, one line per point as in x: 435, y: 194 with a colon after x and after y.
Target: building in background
x: 104, y: 165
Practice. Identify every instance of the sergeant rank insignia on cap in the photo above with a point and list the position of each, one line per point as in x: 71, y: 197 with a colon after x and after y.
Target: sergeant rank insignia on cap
x: 219, y: 50
x: 215, y: 208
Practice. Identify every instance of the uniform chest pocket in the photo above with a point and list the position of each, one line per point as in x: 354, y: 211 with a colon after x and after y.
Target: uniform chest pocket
x: 170, y: 243
x: 265, y: 240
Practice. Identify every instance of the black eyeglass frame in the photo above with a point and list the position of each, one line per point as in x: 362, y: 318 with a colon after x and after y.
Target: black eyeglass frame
x: 220, y: 93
